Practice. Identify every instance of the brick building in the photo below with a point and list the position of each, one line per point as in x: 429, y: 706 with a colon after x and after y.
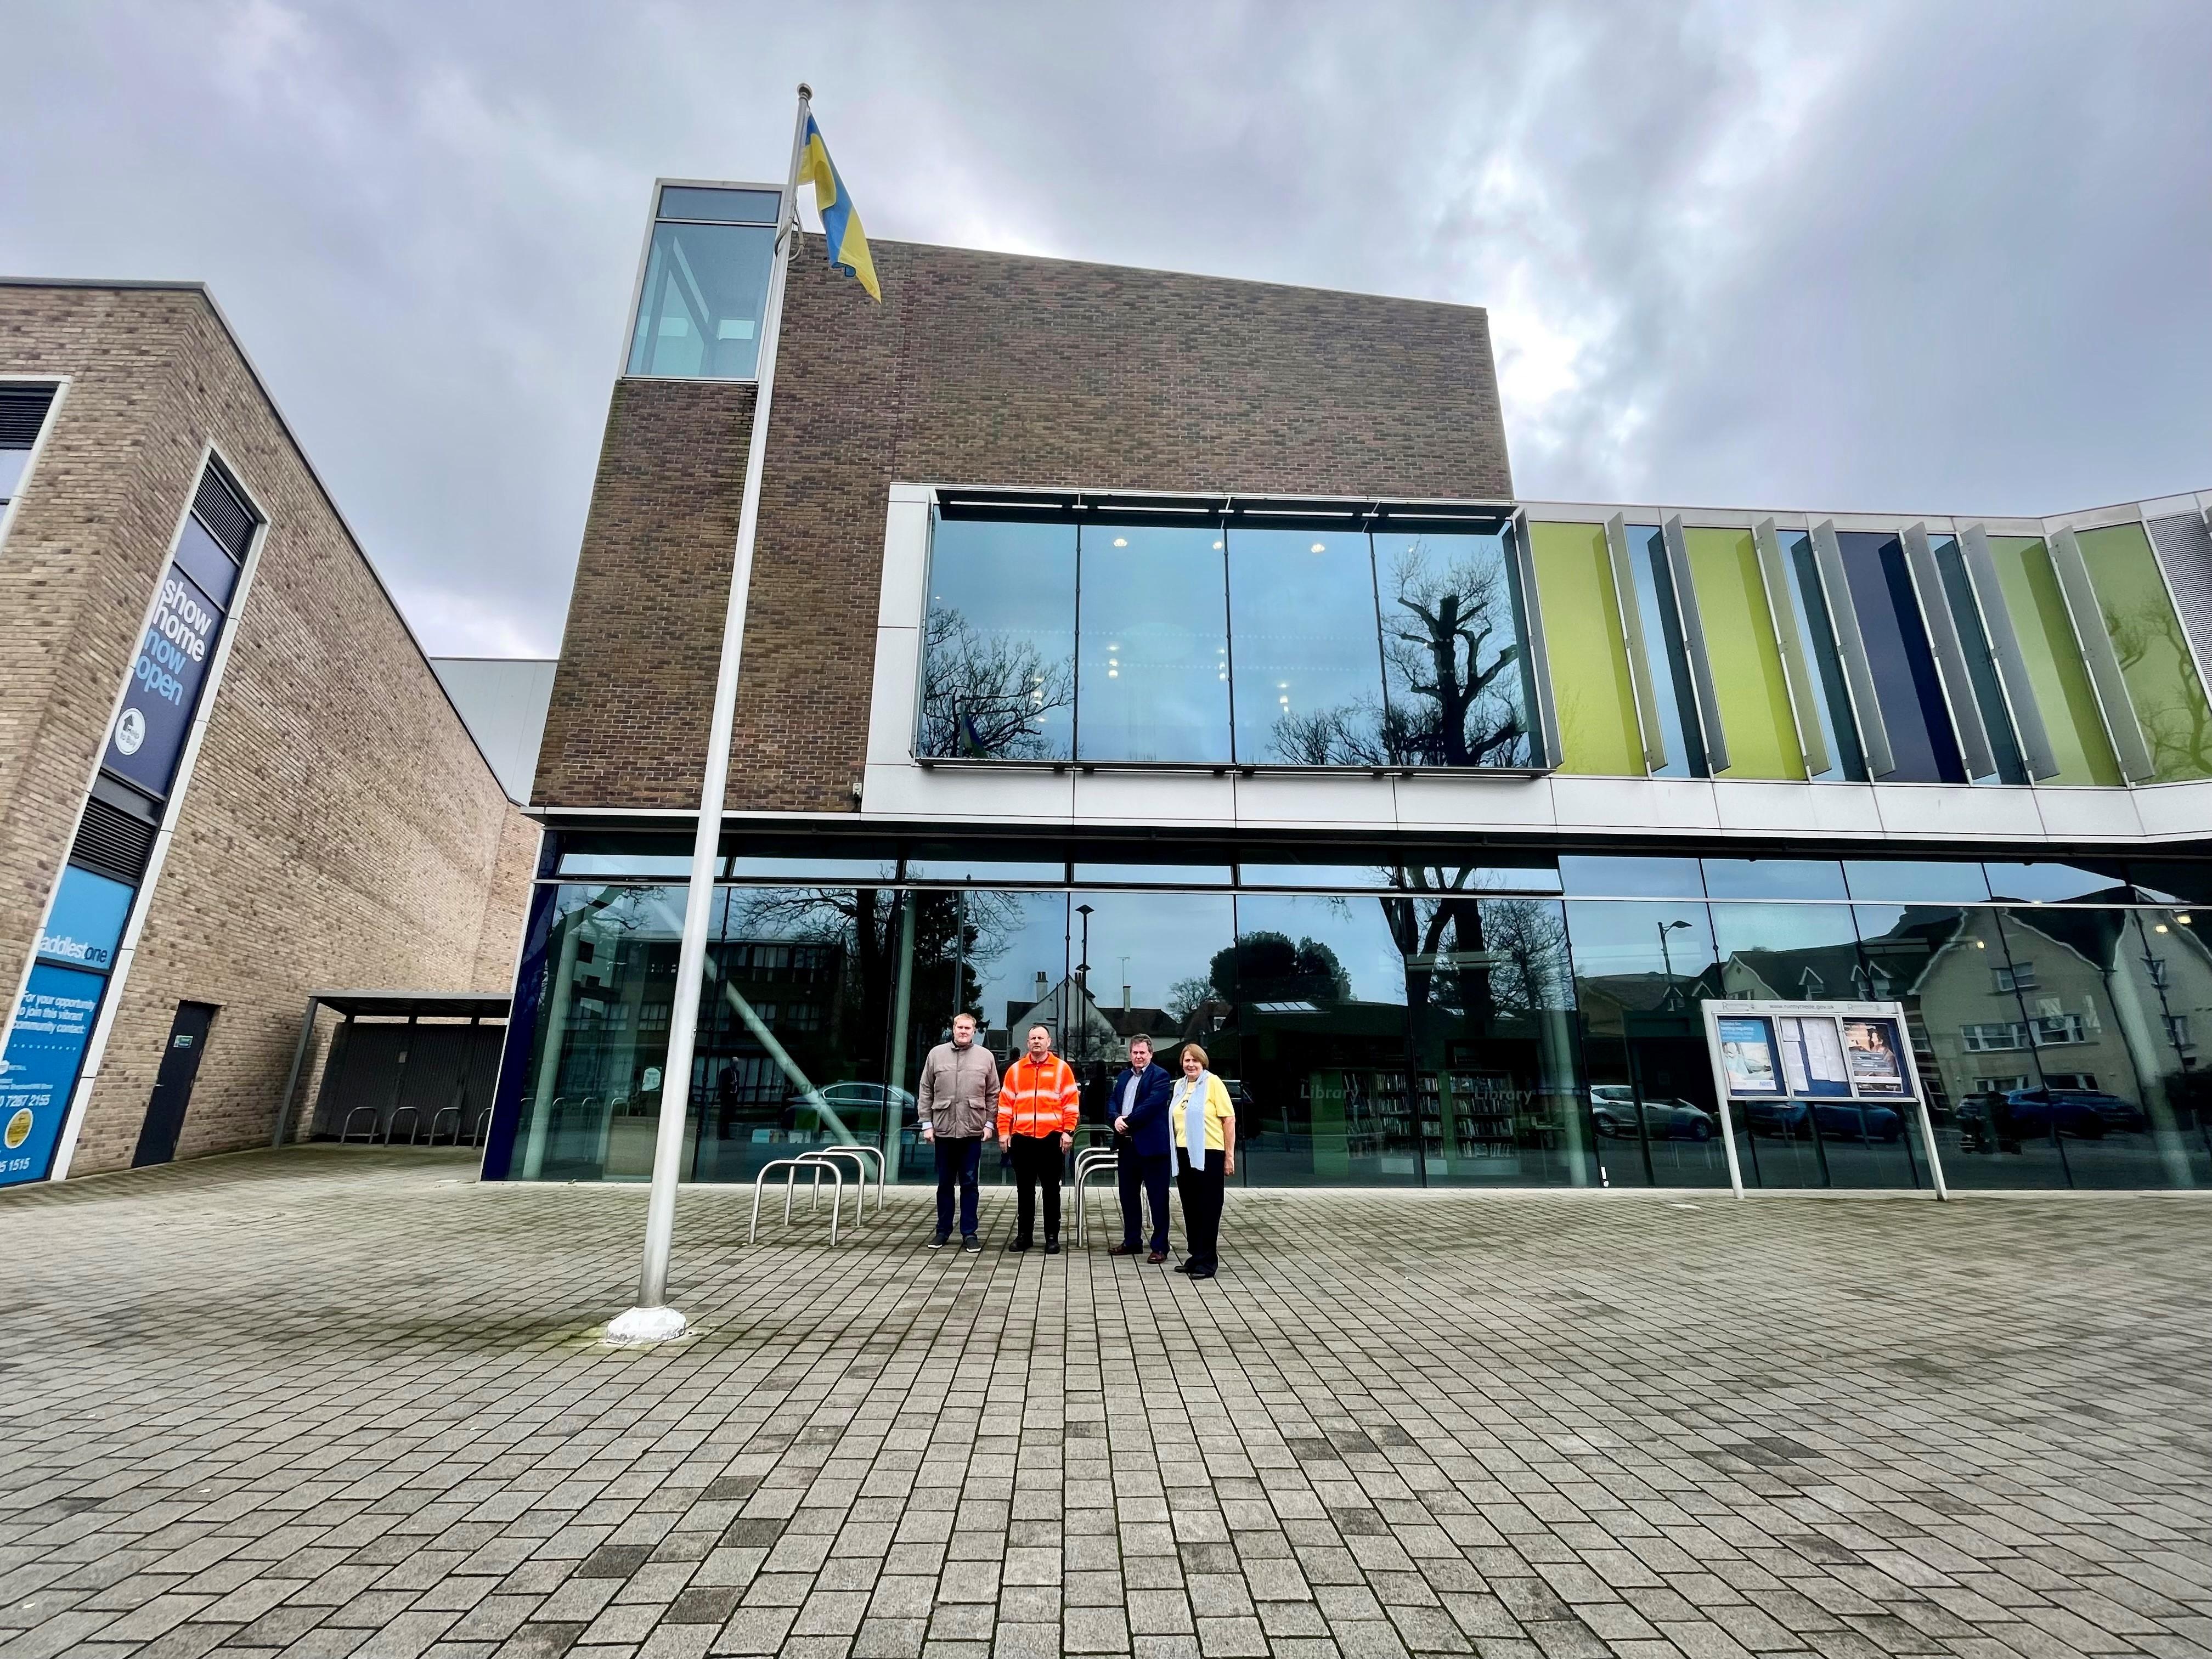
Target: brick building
x: 1156, y: 642
x: 228, y: 775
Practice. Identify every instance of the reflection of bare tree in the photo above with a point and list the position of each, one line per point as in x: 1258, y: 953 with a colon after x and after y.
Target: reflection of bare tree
x: 1454, y: 655
x: 988, y: 696
x: 1483, y: 959
x: 2179, y: 731
x: 1463, y: 707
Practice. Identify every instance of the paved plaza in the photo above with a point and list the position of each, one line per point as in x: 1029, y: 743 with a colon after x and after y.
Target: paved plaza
x: 337, y: 1402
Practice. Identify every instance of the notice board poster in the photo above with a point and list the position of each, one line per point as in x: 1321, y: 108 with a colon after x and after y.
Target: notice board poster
x: 53, y: 1024
x: 1748, y: 1057
x: 1812, y: 1060
x: 1870, y: 1047
x: 165, y: 685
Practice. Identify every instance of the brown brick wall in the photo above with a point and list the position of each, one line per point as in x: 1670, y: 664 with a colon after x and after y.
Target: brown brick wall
x: 977, y: 368
x: 340, y: 829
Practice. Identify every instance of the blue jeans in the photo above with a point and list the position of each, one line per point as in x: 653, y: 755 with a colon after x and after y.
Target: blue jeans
x: 957, y: 1160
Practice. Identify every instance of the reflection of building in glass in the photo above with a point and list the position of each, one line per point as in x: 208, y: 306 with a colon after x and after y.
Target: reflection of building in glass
x: 1437, y: 814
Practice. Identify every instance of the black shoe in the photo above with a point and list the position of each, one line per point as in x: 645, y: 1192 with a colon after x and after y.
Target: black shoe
x: 1015, y: 1244
x: 938, y: 1241
x: 1201, y: 1273
x: 1182, y: 1266
x: 970, y: 1241
x: 1052, y: 1246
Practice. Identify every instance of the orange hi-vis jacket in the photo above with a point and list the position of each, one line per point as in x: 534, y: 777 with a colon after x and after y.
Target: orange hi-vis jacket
x: 1038, y: 1097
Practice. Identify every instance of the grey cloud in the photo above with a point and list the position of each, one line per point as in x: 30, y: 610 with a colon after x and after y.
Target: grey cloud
x: 1912, y: 255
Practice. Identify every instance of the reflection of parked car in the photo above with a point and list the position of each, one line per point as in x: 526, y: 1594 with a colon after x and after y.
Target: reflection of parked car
x: 858, y: 1106
x: 1612, y: 1108
x: 2031, y: 1114
x: 1840, y: 1120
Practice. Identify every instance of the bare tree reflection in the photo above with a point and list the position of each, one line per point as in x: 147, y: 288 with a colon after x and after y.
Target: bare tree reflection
x: 989, y: 696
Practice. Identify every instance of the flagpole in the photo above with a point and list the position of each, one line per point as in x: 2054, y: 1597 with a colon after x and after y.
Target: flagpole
x: 651, y: 1320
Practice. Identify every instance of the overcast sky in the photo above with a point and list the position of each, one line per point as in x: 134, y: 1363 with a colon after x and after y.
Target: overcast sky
x: 1914, y: 256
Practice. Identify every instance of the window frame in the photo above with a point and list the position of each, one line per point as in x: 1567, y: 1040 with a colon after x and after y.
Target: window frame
x: 653, y: 220
x: 1364, y: 516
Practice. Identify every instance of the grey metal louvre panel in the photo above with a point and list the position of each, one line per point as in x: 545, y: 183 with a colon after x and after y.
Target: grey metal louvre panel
x: 22, y: 412
x: 112, y: 844
x: 226, y: 516
x: 2184, y: 550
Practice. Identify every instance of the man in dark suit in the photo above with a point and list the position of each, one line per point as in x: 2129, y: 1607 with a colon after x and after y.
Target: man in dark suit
x: 1138, y: 1103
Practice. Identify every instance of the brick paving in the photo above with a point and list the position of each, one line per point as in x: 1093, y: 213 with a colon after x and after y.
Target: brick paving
x: 333, y: 1402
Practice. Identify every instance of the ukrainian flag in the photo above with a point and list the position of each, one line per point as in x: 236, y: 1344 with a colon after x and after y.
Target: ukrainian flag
x: 841, y: 226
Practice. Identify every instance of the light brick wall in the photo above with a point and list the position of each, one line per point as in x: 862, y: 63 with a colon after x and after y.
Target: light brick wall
x: 977, y: 368
x: 341, y: 829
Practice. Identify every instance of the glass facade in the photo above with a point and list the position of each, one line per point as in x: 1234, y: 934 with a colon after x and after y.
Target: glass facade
x: 699, y: 309
x: 1205, y: 642
x: 1122, y: 631
x: 1430, y: 1022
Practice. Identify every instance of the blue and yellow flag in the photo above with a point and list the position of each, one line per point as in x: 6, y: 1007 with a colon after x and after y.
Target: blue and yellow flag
x: 841, y: 226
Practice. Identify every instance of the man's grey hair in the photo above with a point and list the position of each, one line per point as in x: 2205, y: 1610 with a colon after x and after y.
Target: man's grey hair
x: 1141, y: 1037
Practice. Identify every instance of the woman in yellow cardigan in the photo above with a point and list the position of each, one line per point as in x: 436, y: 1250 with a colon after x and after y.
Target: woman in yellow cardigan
x: 1205, y: 1154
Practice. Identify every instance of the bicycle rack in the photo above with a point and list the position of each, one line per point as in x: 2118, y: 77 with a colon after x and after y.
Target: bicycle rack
x: 792, y: 1166
x: 858, y: 1155
x: 414, y: 1116
x: 1088, y: 1162
x: 440, y: 1116
x: 483, y: 1127
x: 369, y: 1134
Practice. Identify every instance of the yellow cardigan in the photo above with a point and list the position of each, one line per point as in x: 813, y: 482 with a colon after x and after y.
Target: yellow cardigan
x: 1218, y: 1108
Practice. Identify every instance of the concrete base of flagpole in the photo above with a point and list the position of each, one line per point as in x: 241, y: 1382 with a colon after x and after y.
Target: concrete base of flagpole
x: 640, y: 1326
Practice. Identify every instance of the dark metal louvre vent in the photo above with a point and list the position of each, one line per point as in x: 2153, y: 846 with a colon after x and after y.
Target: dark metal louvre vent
x: 110, y: 843
x: 226, y: 516
x: 22, y: 411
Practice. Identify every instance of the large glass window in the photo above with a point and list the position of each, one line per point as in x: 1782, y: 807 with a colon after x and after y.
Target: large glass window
x: 1641, y: 970
x: 2154, y: 658
x: 1905, y: 682
x: 1495, y: 1087
x: 999, y: 642
x: 1154, y: 650
x: 2113, y: 1017
x: 22, y: 413
x: 705, y: 284
x: 1197, y: 644
x: 1456, y: 661
x: 1309, y: 672
x: 1318, y: 991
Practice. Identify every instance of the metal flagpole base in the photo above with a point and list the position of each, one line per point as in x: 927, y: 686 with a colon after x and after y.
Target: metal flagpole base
x: 643, y: 1325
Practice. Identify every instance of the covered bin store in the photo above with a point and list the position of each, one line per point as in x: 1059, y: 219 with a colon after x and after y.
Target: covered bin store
x: 1468, y: 1015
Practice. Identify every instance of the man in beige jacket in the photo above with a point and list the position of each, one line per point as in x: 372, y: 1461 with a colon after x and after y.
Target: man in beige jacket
x: 957, y: 1104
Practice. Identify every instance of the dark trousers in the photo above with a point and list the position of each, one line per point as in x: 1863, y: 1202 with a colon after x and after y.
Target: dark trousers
x: 1202, y: 1211
x: 958, y: 1158
x: 1139, y: 1176
x: 1037, y: 1162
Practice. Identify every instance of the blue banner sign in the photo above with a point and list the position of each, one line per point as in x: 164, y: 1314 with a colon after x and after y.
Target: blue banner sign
x: 39, y: 1074
x: 87, y: 920
x: 164, y: 684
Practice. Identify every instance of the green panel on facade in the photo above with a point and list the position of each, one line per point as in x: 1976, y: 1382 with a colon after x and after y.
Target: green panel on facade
x: 1598, y: 734
x: 2155, y: 660
x: 1745, y: 662
x: 2053, y: 660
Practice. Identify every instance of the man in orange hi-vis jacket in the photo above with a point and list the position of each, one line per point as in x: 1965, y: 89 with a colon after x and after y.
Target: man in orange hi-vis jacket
x: 1037, y: 1103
